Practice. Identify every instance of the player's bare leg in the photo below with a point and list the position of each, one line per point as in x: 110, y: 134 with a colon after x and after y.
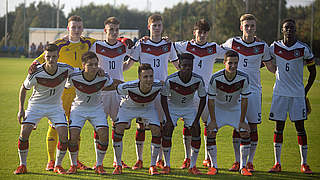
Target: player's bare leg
x: 253, y: 147
x: 303, y: 146
x: 277, y: 146
x: 155, y: 148
x: 117, y: 135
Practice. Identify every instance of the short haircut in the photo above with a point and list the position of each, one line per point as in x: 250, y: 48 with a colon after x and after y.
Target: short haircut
x: 184, y: 56
x: 202, y: 25
x: 112, y: 20
x: 154, y: 18
x: 230, y: 53
x: 288, y: 20
x: 88, y: 55
x: 247, y: 17
x: 75, y: 18
x: 144, y: 66
x: 51, y: 47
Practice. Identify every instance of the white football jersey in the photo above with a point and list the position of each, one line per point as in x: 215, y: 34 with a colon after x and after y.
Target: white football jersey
x: 204, y: 56
x: 157, y: 55
x: 111, y: 57
x: 250, y: 57
x: 131, y: 96
x: 227, y: 93
x: 47, y: 88
x: 289, y: 74
x: 182, y: 94
x: 88, y: 93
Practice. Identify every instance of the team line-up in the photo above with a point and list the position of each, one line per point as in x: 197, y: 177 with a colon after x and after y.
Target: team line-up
x: 79, y: 78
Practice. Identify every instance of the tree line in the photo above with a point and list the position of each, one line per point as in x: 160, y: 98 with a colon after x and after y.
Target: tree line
x: 178, y: 21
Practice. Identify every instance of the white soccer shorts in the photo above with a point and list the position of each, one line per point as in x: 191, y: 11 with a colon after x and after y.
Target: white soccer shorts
x: 281, y: 105
x: 187, y: 113
x: 205, y: 112
x: 111, y: 102
x: 54, y: 112
x: 254, y: 108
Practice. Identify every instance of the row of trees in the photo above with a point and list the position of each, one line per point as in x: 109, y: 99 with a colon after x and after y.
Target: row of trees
x: 178, y: 21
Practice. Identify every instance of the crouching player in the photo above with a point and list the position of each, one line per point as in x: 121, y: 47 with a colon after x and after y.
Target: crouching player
x: 48, y: 80
x: 178, y: 101
x: 87, y: 105
x: 138, y: 101
x: 224, y: 91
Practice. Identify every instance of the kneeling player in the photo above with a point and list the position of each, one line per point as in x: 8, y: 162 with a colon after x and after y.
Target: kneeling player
x: 88, y: 106
x: 178, y: 101
x: 48, y: 81
x: 224, y: 91
x: 138, y: 101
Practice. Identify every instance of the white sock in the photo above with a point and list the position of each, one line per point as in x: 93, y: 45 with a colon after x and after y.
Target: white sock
x: 194, y: 156
x: 244, y: 152
x: 206, y: 154
x: 160, y: 154
x: 303, y: 153
x: 253, y: 148
x: 277, y: 152
x: 212, y: 151
x: 166, y: 153
x: 117, y: 148
x: 100, y: 156
x: 23, y: 156
x: 59, y: 157
x: 236, y: 147
x: 155, y: 148
x: 139, y: 150
x: 73, y: 158
x: 187, y: 146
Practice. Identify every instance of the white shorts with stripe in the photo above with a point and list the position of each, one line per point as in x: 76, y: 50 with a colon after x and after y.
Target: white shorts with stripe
x: 282, y: 105
x: 254, y: 108
x: 54, y: 112
x: 95, y: 115
x: 187, y: 113
x: 111, y: 102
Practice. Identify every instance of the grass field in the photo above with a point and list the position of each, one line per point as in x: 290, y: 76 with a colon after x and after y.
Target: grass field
x: 14, y: 71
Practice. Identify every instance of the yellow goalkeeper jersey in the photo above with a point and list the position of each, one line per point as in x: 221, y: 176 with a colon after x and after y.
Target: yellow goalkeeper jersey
x: 70, y: 53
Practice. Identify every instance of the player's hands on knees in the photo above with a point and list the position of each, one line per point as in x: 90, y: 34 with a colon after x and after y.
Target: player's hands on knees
x: 212, y: 126
x: 244, y: 125
x: 21, y: 115
x: 168, y: 124
x: 33, y: 67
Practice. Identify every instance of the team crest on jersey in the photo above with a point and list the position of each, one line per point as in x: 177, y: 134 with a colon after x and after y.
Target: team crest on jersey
x: 165, y: 48
x: 148, y: 49
x: 119, y: 50
x: 280, y: 52
x: 256, y: 50
x: 296, y: 53
x: 210, y: 50
x: 238, y: 47
x: 193, y: 49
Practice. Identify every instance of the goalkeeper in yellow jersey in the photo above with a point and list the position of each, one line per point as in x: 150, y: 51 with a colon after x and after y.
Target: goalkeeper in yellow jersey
x: 71, y: 49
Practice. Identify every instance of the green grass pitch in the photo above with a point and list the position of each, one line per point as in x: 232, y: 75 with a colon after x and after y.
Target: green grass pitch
x: 14, y: 71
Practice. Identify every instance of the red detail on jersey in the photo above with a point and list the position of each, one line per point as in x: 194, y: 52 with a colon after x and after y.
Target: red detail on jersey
x: 229, y: 88
x: 89, y: 89
x: 182, y: 89
x: 288, y: 55
x: 155, y: 50
x: 247, y: 51
x: 143, y: 99
x: 110, y: 52
x: 52, y: 82
x: 201, y: 52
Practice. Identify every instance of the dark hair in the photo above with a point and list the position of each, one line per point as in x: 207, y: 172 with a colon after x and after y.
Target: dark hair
x: 184, y: 56
x: 202, y: 24
x: 52, y: 47
x: 144, y: 66
x: 88, y: 55
x: 230, y: 53
x: 288, y: 20
x: 75, y: 18
x: 111, y: 20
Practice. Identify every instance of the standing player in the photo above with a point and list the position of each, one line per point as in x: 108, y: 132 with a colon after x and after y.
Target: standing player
x: 70, y: 52
x: 177, y: 100
x: 48, y: 81
x: 251, y: 53
x: 224, y: 92
x: 88, y: 106
x: 289, y: 94
x: 205, y: 54
x: 138, y: 101
x: 156, y: 52
x: 111, y: 53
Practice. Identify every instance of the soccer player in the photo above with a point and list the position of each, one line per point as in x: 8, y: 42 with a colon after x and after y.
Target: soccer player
x: 156, y: 52
x: 205, y: 54
x: 48, y: 82
x: 111, y: 53
x: 224, y: 92
x: 252, y: 52
x: 177, y: 100
x: 88, y: 106
x: 289, y: 93
x: 70, y: 51
x: 138, y: 100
